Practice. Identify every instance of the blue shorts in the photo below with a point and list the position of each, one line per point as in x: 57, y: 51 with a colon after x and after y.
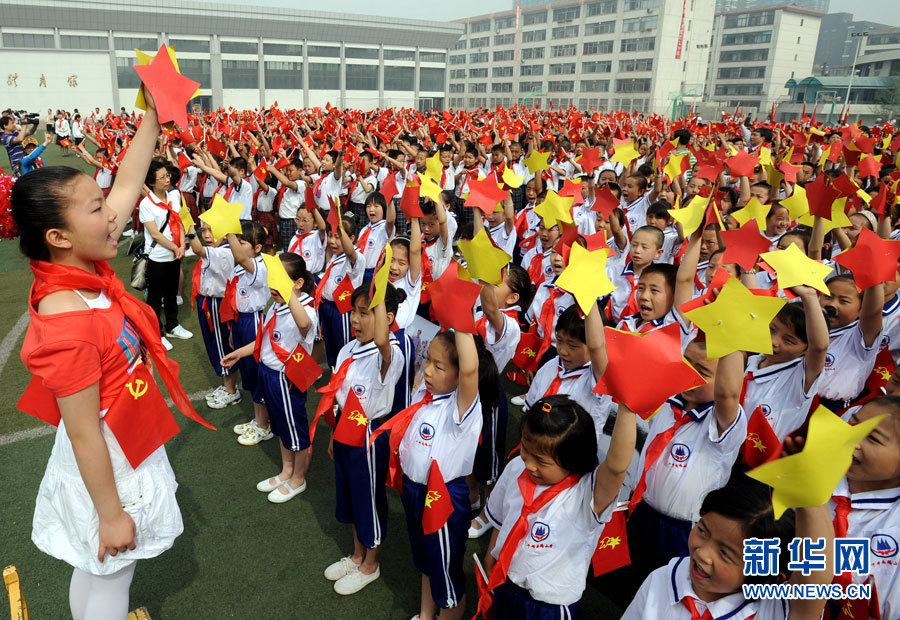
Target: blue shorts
x: 403, y: 388
x: 654, y: 539
x: 336, y: 330
x: 287, y: 408
x: 243, y: 331
x: 368, y: 274
x: 440, y: 555
x: 491, y: 452
x: 360, y: 491
x: 216, y: 339
x: 512, y: 602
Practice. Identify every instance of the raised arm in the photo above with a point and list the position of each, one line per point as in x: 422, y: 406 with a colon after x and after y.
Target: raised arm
x: 298, y: 312
x: 684, y: 280
x: 390, y: 218
x: 467, y: 355
x: 870, y: 313
x: 813, y: 523
x: 440, y: 210
x: 611, y: 472
x: 129, y: 180
x: 382, y: 333
x: 415, y: 249
x: 198, y: 248
x: 729, y: 381
x: 596, y: 341
x: 816, y: 334
x: 240, y: 256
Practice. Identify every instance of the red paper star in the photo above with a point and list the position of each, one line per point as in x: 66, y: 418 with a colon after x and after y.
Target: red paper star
x: 869, y: 167
x: 744, y: 245
x: 570, y: 189
x: 590, y: 159
x: 453, y: 300
x: 872, y: 261
x: 605, y: 201
x: 485, y: 195
x: 789, y: 171
x: 171, y: 91
x: 742, y: 164
x: 646, y: 369
x: 710, y: 172
x: 389, y: 188
x: 820, y: 197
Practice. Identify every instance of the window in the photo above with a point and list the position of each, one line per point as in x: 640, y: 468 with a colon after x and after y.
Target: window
x: 189, y: 45
x: 601, y: 8
x: 325, y: 51
x: 461, y: 44
x: 362, y: 77
x: 239, y: 47
x: 884, y: 39
x: 431, y: 79
x: 532, y: 52
x: 400, y: 78
x: 539, y: 17
x: 74, y: 42
x: 239, y: 74
x: 596, y: 66
x: 643, y: 44
x: 502, y: 72
x: 477, y: 102
x: 567, y: 68
x: 739, y: 89
x: 534, y: 35
x: 637, y: 24
x: 584, y: 104
x: 747, y: 73
x: 457, y: 88
x: 600, y: 28
x: 479, y: 87
x: 282, y: 49
x: 324, y: 76
x: 561, y: 86
x: 482, y: 26
x: 283, y: 74
x: 638, y: 64
x: 501, y: 87
x: 504, y: 22
x: 144, y: 44
x: 636, y: 5
x: 478, y: 73
x: 531, y: 70
x: 638, y: 85
x: 760, y: 18
x: 530, y: 87
x: 562, y: 50
x: 479, y: 57
x: 15, y: 39
x: 361, y: 52
x: 564, y: 32
x: 504, y: 55
x: 569, y: 12
x: 598, y: 47
x: 595, y: 86
x: 480, y: 42
x: 744, y: 56
x: 744, y: 38
x: 457, y: 74
x: 458, y: 59
x: 504, y: 39
x: 440, y: 57
x: 127, y: 77
x: 197, y: 69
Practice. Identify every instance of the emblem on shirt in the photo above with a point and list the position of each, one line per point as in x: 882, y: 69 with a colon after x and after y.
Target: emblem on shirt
x: 680, y: 452
x: 359, y: 390
x: 540, y: 531
x: 885, y: 341
x: 426, y: 431
x: 243, y: 292
x: 829, y: 360
x: 766, y: 411
x: 307, y: 254
x: 883, y: 546
x: 276, y: 336
x: 338, y: 279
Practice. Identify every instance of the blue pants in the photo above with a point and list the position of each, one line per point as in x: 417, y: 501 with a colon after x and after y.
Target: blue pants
x: 514, y: 603
x: 491, y: 452
x: 361, y: 495
x: 402, y: 389
x: 368, y: 274
x: 215, y: 339
x: 439, y: 555
x: 654, y: 539
x: 287, y: 408
x: 243, y: 331
x: 335, y: 329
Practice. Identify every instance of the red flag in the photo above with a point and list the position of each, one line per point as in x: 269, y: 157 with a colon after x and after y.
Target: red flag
x: 353, y: 423
x: 301, y: 369
x: 762, y: 444
x: 438, y: 506
x: 183, y: 161
x: 881, y: 373
x: 409, y: 202
x: 216, y: 148
x: 526, y: 352
x: 186, y: 137
x: 65, y: 142
x: 389, y: 188
x: 485, y: 598
x: 612, y: 547
x: 283, y: 162
x: 334, y: 216
x: 343, y: 294
x: 261, y: 171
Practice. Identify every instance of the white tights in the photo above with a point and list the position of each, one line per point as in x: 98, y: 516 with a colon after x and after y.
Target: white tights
x: 100, y: 597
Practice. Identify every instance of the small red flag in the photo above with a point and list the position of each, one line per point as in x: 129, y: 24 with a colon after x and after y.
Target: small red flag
x: 65, y: 142
x: 612, y: 547
x: 301, y: 369
x: 261, y: 171
x: 334, y: 216
x: 343, y: 294
x: 283, y: 162
x: 409, y: 202
x: 183, y: 161
x: 438, y: 506
x: 881, y: 373
x: 762, y: 444
x: 216, y: 148
x: 186, y: 137
x: 389, y: 188
x: 353, y: 423
x: 526, y: 352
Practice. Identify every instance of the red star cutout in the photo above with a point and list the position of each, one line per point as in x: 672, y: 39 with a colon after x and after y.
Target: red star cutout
x: 389, y: 188
x: 710, y: 172
x: 789, y: 171
x: 744, y: 245
x: 845, y: 185
x: 869, y: 167
x: 597, y: 241
x: 570, y: 189
x: 453, y: 300
x: 171, y: 91
x: 820, y: 197
x: 485, y: 195
x: 646, y: 369
x: 742, y: 164
x: 605, y: 201
x: 872, y: 260
x: 590, y: 159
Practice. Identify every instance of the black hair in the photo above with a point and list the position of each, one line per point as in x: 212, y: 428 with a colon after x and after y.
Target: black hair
x: 641, y: 181
x: 683, y: 135
x: 174, y: 174
x: 296, y: 269
x: 38, y: 202
x: 802, y: 232
x: 889, y: 401
x: 775, y: 206
x: 393, y: 297
x: 428, y: 207
x: 240, y: 163
x: 645, y: 170
x: 732, y: 194
x: 795, y: 316
x: 660, y: 210
x: 571, y: 323
x: 658, y: 235
x: 253, y: 233
x: 449, y: 341
x: 349, y: 225
x: 5, y: 120
x: 561, y: 428
x: 466, y: 232
x: 334, y: 155
x: 155, y: 166
x: 666, y: 270
x: 765, y: 133
x: 377, y: 198
x: 520, y: 283
x: 846, y: 277
x: 472, y: 151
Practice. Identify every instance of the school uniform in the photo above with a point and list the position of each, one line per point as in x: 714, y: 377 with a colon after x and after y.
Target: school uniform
x: 847, y: 366
x: 551, y: 561
x: 403, y: 318
x: 561, y: 301
x: 635, y: 324
x: 670, y: 245
x: 242, y: 194
x: 215, y: 269
x: 504, y: 240
x: 622, y: 300
x: 537, y: 263
x: 251, y: 294
x: 311, y: 246
x: 437, y: 254
x: 370, y: 242
x: 361, y: 472
x: 279, y: 336
x: 437, y: 432
x: 778, y: 390
x: 325, y: 187
x: 289, y: 203
x: 891, y: 330
x: 336, y: 326
x: 357, y: 195
x: 585, y: 219
x: 635, y: 214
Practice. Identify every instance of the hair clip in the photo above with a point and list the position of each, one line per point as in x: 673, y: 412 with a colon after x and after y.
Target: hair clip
x: 547, y: 407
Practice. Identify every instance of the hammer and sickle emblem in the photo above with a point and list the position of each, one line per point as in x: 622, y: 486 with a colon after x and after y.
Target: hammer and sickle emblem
x: 137, y: 388
x: 298, y: 356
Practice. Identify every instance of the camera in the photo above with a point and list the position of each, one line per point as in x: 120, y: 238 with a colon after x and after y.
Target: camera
x: 30, y: 118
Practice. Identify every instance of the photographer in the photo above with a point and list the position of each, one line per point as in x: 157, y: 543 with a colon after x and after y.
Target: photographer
x: 12, y: 137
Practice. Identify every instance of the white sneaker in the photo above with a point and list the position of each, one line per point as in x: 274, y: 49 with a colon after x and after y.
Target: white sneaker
x: 240, y: 429
x: 179, y: 300
x: 518, y: 401
x: 128, y: 233
x: 340, y: 569
x: 214, y: 393
x: 223, y: 399
x: 355, y: 581
x: 255, y: 435
x: 180, y: 333
x: 166, y: 343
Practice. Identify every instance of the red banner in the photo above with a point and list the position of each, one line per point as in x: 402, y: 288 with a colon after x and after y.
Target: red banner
x: 681, y: 30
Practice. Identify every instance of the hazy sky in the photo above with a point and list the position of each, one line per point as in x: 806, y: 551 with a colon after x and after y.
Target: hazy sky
x: 884, y: 11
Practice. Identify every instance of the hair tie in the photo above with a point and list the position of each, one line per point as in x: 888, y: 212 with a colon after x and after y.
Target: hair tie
x: 546, y: 407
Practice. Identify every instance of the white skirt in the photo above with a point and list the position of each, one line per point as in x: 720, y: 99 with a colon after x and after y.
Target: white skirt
x: 66, y: 525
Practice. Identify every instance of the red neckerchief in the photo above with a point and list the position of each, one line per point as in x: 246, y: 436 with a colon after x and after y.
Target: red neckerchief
x: 297, y: 243
x: 174, y: 218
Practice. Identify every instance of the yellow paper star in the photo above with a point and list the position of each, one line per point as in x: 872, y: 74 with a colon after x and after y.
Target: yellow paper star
x: 625, y: 153
x: 797, y: 204
x: 838, y: 219
x: 146, y: 59
x: 510, y: 178
x: 753, y: 210
x: 484, y: 260
x: 774, y: 176
x: 809, y: 477
x: 185, y: 215
x: 434, y: 167
x: 585, y: 276
x: 277, y: 278
x: 866, y: 198
x: 765, y: 156
x: 223, y: 217
x: 794, y: 267
x: 692, y: 215
x: 555, y: 209
x: 737, y: 320
x: 536, y: 161
x: 429, y: 188
x: 673, y: 168
x: 381, y: 278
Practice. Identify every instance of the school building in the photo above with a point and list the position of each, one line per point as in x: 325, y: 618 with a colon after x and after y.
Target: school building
x: 79, y: 54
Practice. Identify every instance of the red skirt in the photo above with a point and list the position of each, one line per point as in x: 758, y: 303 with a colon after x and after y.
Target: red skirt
x: 267, y: 220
